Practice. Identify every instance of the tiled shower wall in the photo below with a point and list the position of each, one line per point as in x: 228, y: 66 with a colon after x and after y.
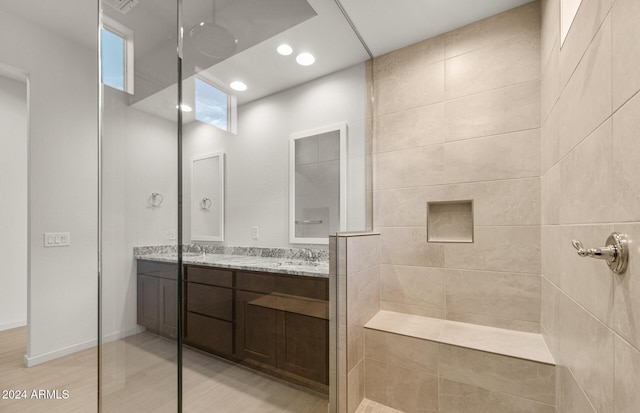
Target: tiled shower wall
x: 591, y: 187
x: 457, y: 117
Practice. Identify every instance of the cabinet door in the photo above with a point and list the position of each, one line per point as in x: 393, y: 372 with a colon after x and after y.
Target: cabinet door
x: 168, y: 308
x: 303, y: 346
x: 255, y: 329
x: 148, y: 305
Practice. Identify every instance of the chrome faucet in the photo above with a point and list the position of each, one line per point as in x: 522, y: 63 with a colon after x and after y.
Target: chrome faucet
x: 199, y: 248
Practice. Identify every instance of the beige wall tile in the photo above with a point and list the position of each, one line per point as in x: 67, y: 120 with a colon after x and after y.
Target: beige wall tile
x: 497, y: 294
x: 498, y: 322
x: 355, y: 344
x: 626, y: 152
x: 551, y: 196
x: 508, y: 109
x: 505, y: 64
x: 550, y: 139
x: 549, y: 317
x: 512, y: 155
x: 589, y: 282
x: 570, y: 397
x: 626, y: 53
x: 410, y: 77
x: 586, y: 100
x: 627, y: 289
x: 363, y: 252
x: 404, y: 389
x: 355, y: 388
x: 523, y: 378
x: 363, y: 293
x: 412, y: 309
x: 587, y: 180
x: 404, y: 207
x: 550, y: 247
x: 627, y: 379
x: 419, y: 286
x: 515, y: 249
x: 586, y: 346
x: 585, y: 25
x: 409, y: 167
x: 515, y: 24
x: 403, y: 351
x: 510, y: 202
x: 408, y: 246
x: 550, y: 27
x: 550, y: 84
x: 462, y: 398
x: 410, y: 128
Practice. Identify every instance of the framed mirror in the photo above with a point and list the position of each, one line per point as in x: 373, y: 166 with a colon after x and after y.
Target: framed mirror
x: 207, y: 197
x: 317, y: 184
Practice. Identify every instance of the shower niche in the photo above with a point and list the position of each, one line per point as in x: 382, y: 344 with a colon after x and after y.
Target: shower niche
x: 450, y: 221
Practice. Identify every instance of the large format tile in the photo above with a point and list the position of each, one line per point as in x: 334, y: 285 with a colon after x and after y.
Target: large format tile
x: 586, y: 100
x: 587, y: 180
x: 417, y: 286
x: 571, y: 398
x: 626, y: 152
x: 550, y: 83
x: 512, y: 155
x: 627, y: 289
x: 551, y: 259
x: 627, y: 377
x: 498, y: 111
x: 520, y: 23
x: 550, y: 27
x: 355, y: 387
x: 509, y: 202
x: 586, y: 346
x: 527, y: 379
x: 504, y: 64
x: 550, y: 140
x: 363, y: 252
x: 410, y: 128
x: 626, y: 53
x: 409, y: 246
x: 492, y: 321
x: 589, y: 282
x: 585, y: 25
x: 403, y: 351
x: 462, y: 398
x: 363, y: 293
x: 497, y: 294
x: 514, y: 249
x: 549, y: 317
x: 404, y: 207
x: 409, y: 167
x: 551, y: 196
x: 412, y: 309
x: 404, y: 389
x: 409, y: 77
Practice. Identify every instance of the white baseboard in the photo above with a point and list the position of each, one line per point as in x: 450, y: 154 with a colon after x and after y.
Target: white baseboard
x: 13, y: 324
x: 31, y: 361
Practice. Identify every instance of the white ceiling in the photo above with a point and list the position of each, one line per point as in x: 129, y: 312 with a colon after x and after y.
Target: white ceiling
x: 384, y: 26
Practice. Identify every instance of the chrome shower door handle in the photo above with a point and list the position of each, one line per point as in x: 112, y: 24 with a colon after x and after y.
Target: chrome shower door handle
x: 615, y: 252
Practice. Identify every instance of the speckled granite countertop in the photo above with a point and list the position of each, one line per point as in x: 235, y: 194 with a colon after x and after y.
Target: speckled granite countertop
x: 281, y: 263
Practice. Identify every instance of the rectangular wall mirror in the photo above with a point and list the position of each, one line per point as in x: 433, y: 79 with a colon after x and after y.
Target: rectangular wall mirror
x: 207, y: 197
x: 317, y: 184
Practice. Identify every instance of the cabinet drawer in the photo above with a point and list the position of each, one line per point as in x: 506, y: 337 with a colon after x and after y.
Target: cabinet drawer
x: 209, y: 334
x: 211, y: 276
x: 158, y: 269
x: 210, y: 300
x: 309, y: 287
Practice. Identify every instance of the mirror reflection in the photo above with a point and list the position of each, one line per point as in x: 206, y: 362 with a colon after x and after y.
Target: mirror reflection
x: 207, y: 197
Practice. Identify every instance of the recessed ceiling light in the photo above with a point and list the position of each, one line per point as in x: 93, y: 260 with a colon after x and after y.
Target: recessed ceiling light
x: 305, y: 59
x: 284, y: 49
x: 184, y: 108
x: 239, y: 86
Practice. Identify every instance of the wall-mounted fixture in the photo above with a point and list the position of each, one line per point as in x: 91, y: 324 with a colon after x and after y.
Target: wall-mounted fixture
x: 155, y: 200
x: 205, y: 203
x: 616, y: 252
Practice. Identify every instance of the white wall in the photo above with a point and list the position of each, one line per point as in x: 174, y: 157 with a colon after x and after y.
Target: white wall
x: 13, y: 208
x: 63, y: 130
x: 257, y: 159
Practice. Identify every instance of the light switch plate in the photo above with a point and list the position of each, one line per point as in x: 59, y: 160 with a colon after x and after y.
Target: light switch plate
x: 56, y: 239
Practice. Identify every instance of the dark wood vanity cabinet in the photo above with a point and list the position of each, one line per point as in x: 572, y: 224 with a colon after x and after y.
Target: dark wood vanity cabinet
x: 158, y: 297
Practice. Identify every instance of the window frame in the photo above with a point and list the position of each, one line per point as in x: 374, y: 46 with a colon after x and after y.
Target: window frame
x: 231, y: 104
x: 127, y: 36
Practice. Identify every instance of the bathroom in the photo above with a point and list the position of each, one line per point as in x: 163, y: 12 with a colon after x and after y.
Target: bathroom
x: 475, y: 154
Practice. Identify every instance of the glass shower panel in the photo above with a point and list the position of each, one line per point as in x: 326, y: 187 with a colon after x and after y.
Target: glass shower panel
x: 259, y: 327
x: 48, y: 280
x: 139, y: 200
